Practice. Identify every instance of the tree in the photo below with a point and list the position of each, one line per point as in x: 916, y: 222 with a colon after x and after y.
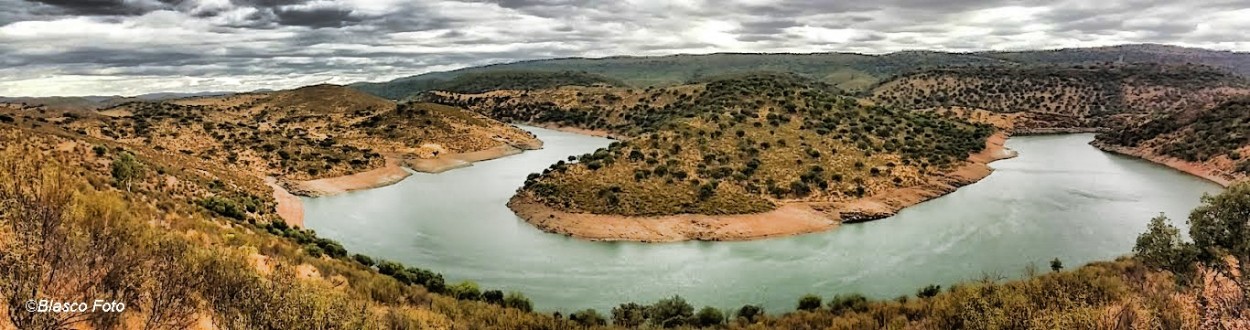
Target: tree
x: 929, y: 291
x: 126, y: 169
x: 588, y: 318
x: 1056, y: 265
x: 1161, y: 247
x: 518, y: 301
x: 466, y: 290
x: 750, y: 313
x: 809, y: 302
x: 1219, y: 226
x: 629, y: 315
x: 709, y: 316
x: 493, y: 297
x: 671, y: 312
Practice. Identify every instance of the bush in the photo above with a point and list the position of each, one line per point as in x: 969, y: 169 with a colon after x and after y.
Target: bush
x: 809, y: 302
x: 588, y: 318
x: 518, y: 301
x: 363, y: 260
x: 671, y: 312
x: 709, y: 316
x: 629, y: 315
x: 750, y: 313
x: 852, y: 302
x: 929, y: 291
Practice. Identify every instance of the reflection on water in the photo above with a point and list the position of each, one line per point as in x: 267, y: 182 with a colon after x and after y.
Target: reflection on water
x: 1059, y: 198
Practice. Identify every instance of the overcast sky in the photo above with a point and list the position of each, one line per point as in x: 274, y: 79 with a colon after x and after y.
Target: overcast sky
x: 127, y: 47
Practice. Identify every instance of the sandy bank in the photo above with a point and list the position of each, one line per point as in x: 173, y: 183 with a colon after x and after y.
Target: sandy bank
x: 289, y: 207
x: 447, y: 162
x: 788, y: 219
x: 576, y: 130
x: 1211, y: 173
x: 380, y: 177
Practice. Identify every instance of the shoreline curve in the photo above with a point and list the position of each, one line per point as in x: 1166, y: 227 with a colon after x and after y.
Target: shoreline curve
x: 791, y: 218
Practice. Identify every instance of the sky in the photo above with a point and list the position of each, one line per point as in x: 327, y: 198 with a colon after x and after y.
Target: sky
x: 130, y: 47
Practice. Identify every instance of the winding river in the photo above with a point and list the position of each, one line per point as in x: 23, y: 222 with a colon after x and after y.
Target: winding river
x: 1060, y: 198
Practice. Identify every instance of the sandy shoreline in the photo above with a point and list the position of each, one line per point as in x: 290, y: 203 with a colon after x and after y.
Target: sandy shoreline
x: 290, y: 208
x: 453, y: 161
x: 1209, y: 173
x: 787, y: 219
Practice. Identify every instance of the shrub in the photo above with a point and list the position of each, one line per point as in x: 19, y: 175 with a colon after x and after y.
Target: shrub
x: 518, y: 301
x: 363, y: 260
x: 709, y: 316
x: 629, y: 315
x: 671, y: 312
x: 929, y: 291
x: 750, y: 313
x: 809, y: 302
x: 588, y: 318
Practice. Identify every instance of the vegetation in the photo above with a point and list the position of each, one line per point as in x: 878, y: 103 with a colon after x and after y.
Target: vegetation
x: 307, y: 133
x: 1091, y: 93
x: 733, y: 145
x: 1196, y: 136
x: 854, y: 72
x: 70, y: 234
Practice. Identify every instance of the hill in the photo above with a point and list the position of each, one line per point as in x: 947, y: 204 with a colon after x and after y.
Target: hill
x: 849, y: 71
x: 315, y: 132
x: 739, y: 145
x: 1098, y: 95
x: 199, y: 247
x: 1208, y: 142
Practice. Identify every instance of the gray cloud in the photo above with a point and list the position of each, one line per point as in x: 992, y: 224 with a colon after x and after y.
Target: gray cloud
x: 140, y: 46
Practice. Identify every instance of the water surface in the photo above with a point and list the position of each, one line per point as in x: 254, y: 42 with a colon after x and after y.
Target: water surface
x: 1060, y: 198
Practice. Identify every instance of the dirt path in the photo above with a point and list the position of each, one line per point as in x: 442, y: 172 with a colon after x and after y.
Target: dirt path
x: 788, y: 219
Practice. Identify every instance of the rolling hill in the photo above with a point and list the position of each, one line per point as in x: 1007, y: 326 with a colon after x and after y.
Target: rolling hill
x: 307, y: 133
x: 849, y: 71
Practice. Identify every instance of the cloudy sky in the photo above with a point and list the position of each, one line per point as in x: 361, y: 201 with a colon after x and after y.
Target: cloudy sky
x: 127, y: 47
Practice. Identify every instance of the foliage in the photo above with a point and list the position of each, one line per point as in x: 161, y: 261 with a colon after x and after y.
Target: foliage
x: 126, y: 168
x: 1161, y: 247
x: 733, y: 145
x: 588, y: 318
x: 809, y: 302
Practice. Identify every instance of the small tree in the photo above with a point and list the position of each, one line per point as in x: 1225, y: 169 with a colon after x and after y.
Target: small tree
x: 809, y: 302
x: 629, y: 315
x: 709, y: 316
x: 929, y: 291
x: 1056, y: 265
x: 518, y: 301
x: 126, y: 169
x: 1161, y: 247
x: 588, y: 318
x: 750, y: 313
x: 670, y: 313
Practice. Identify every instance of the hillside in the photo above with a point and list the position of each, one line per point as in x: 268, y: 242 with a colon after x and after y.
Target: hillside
x: 1208, y: 142
x: 744, y: 144
x: 308, y: 133
x: 849, y: 71
x: 484, y: 81
x: 189, y: 244
x: 1101, y: 95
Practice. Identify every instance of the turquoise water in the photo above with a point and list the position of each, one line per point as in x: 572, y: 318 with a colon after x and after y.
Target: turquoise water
x: 1060, y: 198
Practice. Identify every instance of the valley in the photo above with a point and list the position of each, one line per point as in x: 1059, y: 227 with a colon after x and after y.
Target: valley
x: 737, y: 181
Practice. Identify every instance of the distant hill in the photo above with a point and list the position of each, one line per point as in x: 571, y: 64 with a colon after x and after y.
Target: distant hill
x: 1095, y: 94
x: 848, y: 71
x: 306, y: 133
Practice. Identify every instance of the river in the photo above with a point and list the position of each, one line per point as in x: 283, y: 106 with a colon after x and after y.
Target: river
x: 1060, y: 198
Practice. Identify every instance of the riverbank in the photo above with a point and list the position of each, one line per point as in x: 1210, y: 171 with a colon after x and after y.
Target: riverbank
x: 1208, y: 172
x: 788, y: 219
x: 448, y: 162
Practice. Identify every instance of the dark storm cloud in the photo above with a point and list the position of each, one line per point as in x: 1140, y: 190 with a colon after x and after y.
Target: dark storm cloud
x: 317, y: 18
x: 108, y: 7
